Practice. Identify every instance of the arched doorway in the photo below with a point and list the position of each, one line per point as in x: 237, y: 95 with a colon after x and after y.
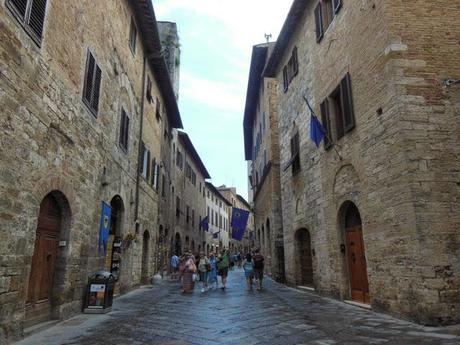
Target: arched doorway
x: 145, y: 257
x: 193, y: 246
x: 357, y: 270
x: 304, y: 260
x: 113, y: 257
x: 178, y: 245
x: 53, y: 216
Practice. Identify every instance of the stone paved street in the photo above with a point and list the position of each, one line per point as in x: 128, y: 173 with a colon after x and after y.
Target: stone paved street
x: 277, y: 315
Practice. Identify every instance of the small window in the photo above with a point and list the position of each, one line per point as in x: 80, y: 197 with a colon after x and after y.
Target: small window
x: 179, y: 159
x: 193, y: 178
x: 163, y: 186
x: 132, y: 36
x: 295, y: 154
x: 325, y: 12
x: 92, y: 84
x: 148, y: 92
x: 145, y: 162
x: 177, y: 206
x: 290, y: 70
x: 337, y: 114
x: 193, y: 218
x: 158, y: 110
x: 154, y: 177
x: 124, y: 130
x: 188, y: 214
x: 31, y: 15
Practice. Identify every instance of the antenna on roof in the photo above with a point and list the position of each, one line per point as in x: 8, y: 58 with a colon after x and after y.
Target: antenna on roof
x: 267, y: 37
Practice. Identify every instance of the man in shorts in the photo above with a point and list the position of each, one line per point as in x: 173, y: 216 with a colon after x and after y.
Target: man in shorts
x: 258, y: 263
x: 222, y: 267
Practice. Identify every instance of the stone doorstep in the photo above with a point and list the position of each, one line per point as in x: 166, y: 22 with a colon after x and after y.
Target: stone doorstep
x: 358, y: 304
x: 307, y: 288
x: 39, y: 327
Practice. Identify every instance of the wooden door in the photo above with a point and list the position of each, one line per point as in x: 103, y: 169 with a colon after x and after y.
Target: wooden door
x: 359, y: 284
x: 306, y: 262
x: 44, y: 260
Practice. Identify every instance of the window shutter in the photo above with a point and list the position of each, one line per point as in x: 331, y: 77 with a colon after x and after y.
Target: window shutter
x: 347, y: 101
x: 285, y: 79
x: 97, y: 85
x: 337, y: 5
x: 148, y: 165
x: 295, y: 62
x: 20, y: 6
x: 88, y: 88
x: 37, y: 16
x: 122, y: 128
x: 326, y: 124
x: 152, y: 177
x: 141, y: 158
x: 126, y: 131
x: 319, y: 22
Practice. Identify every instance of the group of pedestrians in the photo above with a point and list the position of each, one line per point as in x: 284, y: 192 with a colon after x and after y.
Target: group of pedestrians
x: 206, y: 270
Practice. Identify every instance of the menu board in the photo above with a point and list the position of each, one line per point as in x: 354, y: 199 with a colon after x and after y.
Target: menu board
x: 96, y: 296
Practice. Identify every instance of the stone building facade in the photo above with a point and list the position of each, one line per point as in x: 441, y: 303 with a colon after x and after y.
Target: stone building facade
x: 188, y: 194
x: 372, y: 214
x: 236, y: 200
x: 261, y: 143
x: 79, y: 107
x: 217, y: 210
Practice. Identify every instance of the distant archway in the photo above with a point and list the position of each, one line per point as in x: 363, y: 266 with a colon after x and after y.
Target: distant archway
x: 145, y: 257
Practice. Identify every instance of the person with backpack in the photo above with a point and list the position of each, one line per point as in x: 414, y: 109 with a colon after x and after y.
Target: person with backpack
x: 258, y: 260
x: 223, y: 263
x: 248, y: 267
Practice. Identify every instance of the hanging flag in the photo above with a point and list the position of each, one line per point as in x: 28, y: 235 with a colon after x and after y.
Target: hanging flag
x: 317, y: 131
x: 239, y: 221
x: 216, y: 234
x: 205, y: 223
x: 105, y: 226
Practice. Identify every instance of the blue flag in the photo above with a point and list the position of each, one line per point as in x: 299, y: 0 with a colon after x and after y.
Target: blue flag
x: 239, y: 221
x: 317, y: 131
x: 205, y: 223
x: 105, y: 226
x: 216, y: 234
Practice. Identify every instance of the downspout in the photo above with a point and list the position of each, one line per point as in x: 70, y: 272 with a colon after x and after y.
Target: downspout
x: 139, y: 153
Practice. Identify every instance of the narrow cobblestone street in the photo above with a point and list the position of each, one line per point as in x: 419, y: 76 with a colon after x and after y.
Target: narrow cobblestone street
x: 277, y: 315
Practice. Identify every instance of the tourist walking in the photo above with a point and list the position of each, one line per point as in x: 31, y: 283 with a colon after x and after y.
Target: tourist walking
x: 203, y: 268
x: 258, y: 260
x: 212, y: 274
x: 222, y: 267
x: 248, y: 267
x: 187, y: 276
x: 174, y: 266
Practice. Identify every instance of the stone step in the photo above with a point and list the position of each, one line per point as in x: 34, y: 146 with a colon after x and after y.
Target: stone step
x: 39, y: 327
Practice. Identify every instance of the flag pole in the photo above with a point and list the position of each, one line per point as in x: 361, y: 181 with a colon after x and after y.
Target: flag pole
x: 325, y: 134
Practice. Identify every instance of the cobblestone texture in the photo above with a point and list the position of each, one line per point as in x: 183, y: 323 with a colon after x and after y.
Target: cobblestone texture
x: 277, y: 315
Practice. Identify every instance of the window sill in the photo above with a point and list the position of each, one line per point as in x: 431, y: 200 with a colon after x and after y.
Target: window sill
x: 91, y: 110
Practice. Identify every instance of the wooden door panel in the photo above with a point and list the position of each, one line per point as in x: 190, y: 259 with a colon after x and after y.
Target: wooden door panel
x: 359, y: 285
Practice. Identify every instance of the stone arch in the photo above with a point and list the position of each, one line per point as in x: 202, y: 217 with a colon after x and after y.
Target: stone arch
x: 47, y: 276
x: 303, y: 258
x: 346, y: 182
x: 267, y: 226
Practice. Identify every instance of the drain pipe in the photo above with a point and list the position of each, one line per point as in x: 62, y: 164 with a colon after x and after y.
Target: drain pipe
x: 139, y: 153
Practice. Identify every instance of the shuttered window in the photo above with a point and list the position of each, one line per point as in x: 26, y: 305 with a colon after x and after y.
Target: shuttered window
x: 149, y: 90
x: 158, y: 110
x: 144, y: 166
x: 325, y: 12
x: 92, y: 84
x: 337, y: 109
x: 155, y: 174
x: 291, y: 69
x: 326, y: 123
x: 319, y: 22
x: 31, y: 15
x: 347, y: 101
x: 124, y: 130
x: 132, y: 37
x: 295, y: 154
x: 285, y: 79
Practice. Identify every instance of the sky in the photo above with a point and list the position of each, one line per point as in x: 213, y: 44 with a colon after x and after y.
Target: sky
x: 216, y: 39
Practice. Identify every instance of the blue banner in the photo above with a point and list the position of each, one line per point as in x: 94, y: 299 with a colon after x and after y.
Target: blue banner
x: 104, y: 230
x: 205, y: 223
x: 239, y: 222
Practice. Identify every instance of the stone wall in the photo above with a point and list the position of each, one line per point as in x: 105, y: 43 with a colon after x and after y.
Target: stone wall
x: 398, y: 165
x: 52, y: 143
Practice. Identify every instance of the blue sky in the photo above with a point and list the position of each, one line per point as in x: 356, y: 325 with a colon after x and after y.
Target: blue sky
x: 216, y: 38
